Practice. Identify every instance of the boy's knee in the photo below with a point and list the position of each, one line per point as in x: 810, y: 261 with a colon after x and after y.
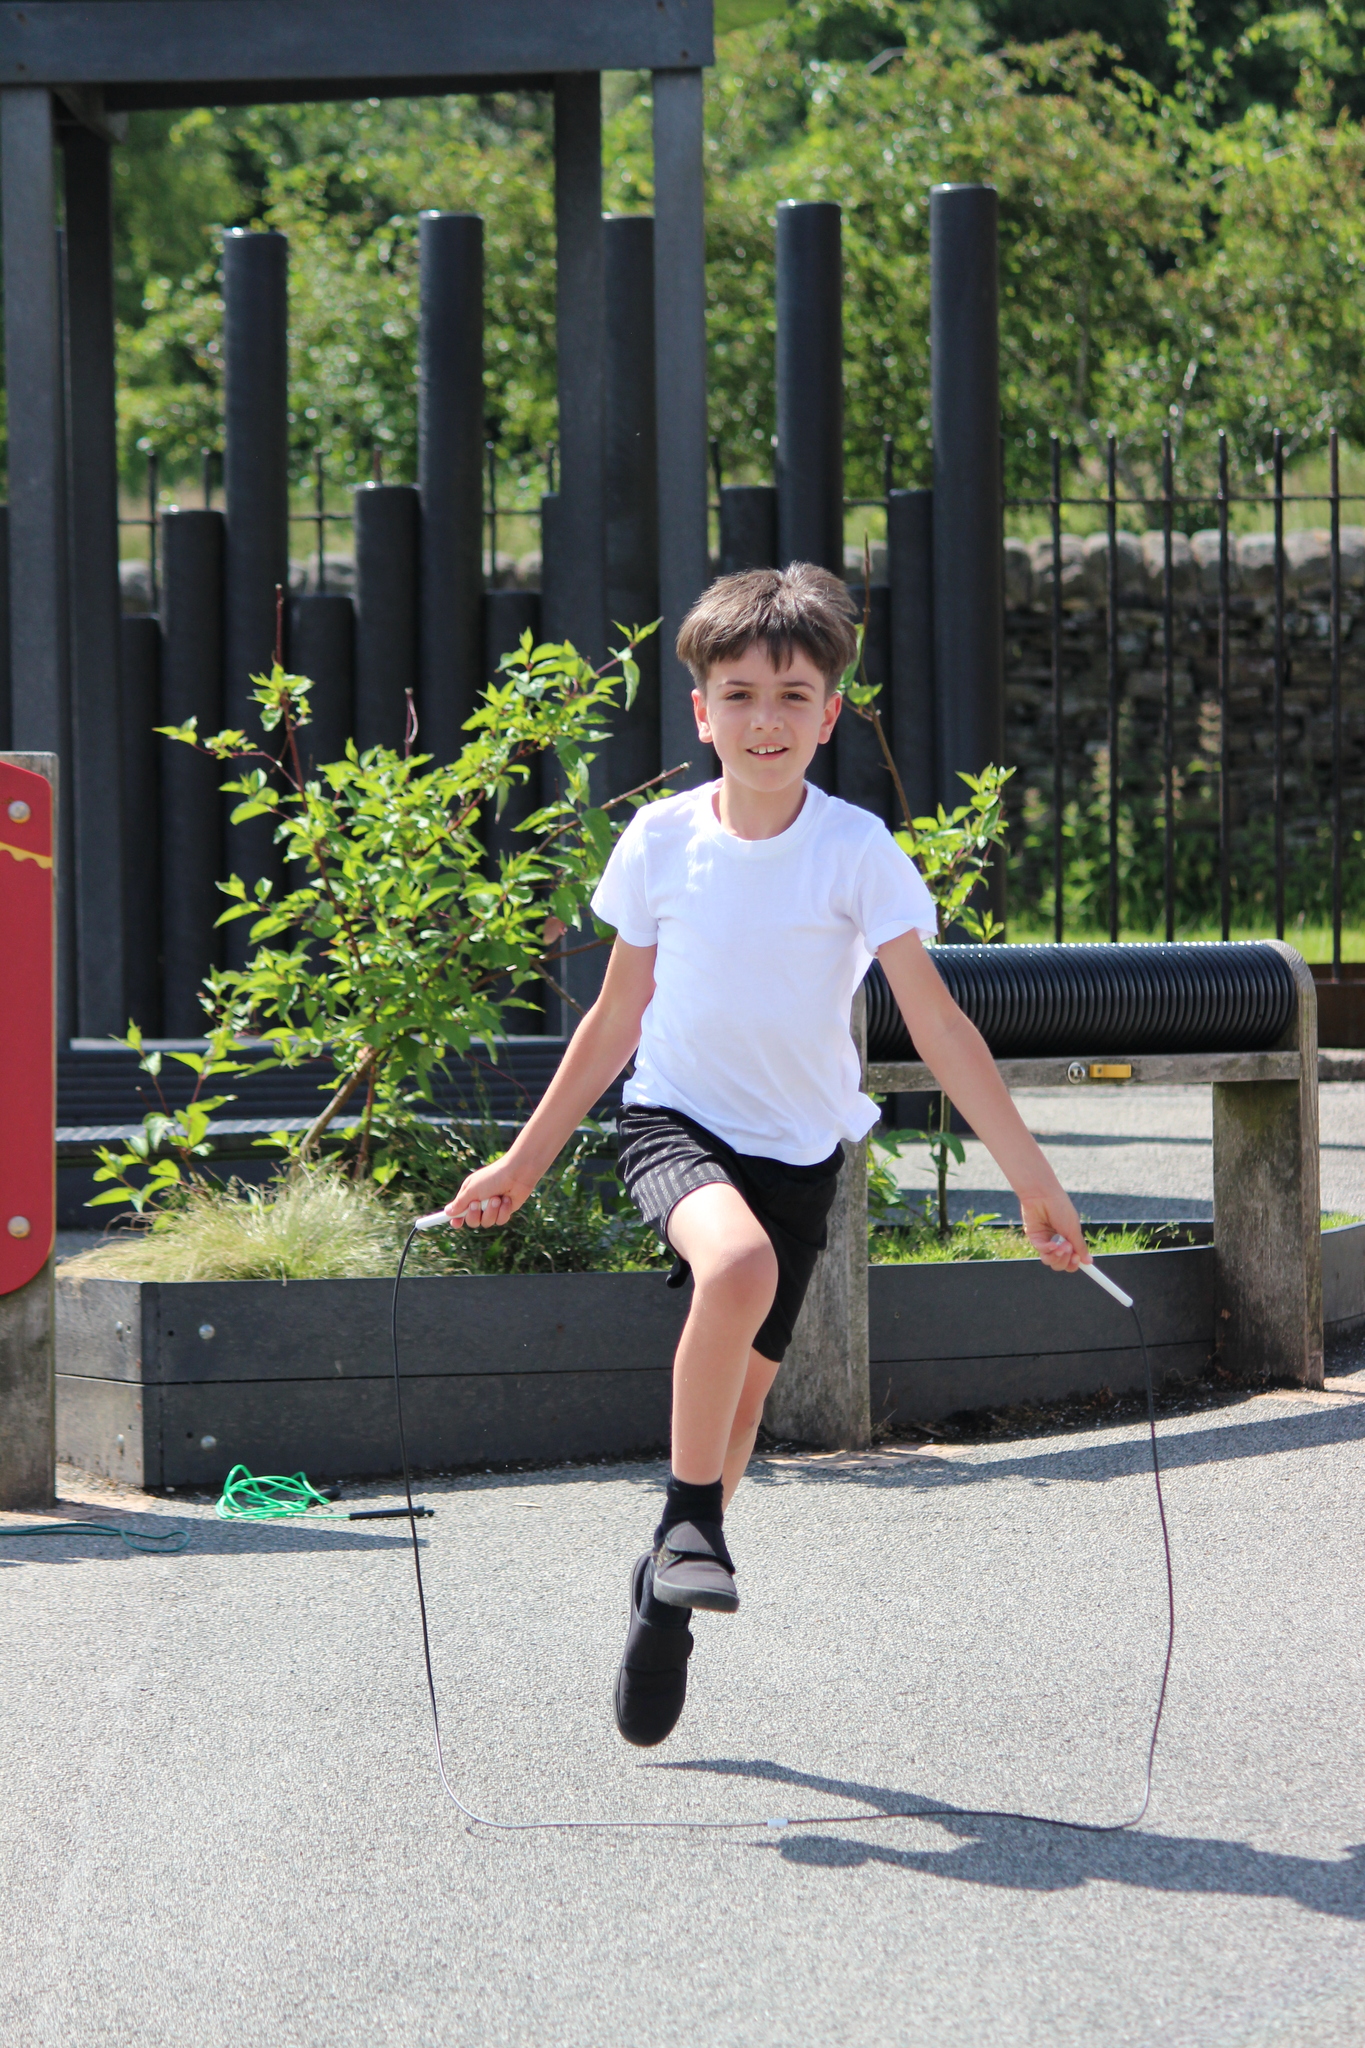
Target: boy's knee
x: 742, y: 1279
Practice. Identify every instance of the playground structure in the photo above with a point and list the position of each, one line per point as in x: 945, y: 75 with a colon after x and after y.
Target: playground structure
x: 624, y: 534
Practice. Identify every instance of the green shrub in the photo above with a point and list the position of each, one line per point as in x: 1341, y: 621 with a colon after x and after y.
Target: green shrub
x: 311, y: 1224
x: 579, y: 1219
x: 983, y: 1237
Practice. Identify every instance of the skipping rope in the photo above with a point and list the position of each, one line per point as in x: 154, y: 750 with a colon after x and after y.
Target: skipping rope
x: 805, y: 1820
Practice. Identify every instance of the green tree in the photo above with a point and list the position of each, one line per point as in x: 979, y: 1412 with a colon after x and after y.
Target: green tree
x: 1171, y: 256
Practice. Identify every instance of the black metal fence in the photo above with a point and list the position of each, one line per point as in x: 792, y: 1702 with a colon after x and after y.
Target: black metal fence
x: 1126, y: 771
x: 1168, y: 508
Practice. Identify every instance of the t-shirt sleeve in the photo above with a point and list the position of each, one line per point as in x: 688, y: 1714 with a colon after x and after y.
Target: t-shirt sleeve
x: 621, y: 898
x: 891, y: 896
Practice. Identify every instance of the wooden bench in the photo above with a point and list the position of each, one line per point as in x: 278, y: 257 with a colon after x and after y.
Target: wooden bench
x: 1266, y: 1212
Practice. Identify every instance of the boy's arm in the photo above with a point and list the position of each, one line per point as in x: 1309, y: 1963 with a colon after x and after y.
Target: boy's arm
x: 595, y: 1055
x: 952, y: 1047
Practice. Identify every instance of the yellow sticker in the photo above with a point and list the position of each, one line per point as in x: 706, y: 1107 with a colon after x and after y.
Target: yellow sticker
x: 44, y: 860
x: 1111, y: 1073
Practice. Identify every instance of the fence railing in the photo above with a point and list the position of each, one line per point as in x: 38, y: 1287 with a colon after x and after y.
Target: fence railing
x: 1163, y: 507
x: 1165, y: 504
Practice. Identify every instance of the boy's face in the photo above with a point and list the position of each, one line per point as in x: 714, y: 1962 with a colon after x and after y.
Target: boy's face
x: 766, y: 723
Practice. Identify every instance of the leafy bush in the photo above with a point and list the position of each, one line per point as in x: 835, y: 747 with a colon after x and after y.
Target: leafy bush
x: 920, y: 1242
x: 579, y: 1220
x: 402, y: 942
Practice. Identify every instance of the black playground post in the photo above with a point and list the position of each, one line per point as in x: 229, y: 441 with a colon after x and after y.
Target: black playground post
x: 631, y: 487
x: 575, y: 592
x: 967, y: 569
x: 680, y: 383
x: 748, y: 527
x: 191, y: 813
x: 810, y: 391
x: 256, y: 482
x: 450, y: 438
x: 322, y: 647
x: 910, y: 574
x: 40, y: 705
x: 96, y: 712
x: 386, y: 542
x: 6, y: 672
x: 810, y: 401
x: 139, y: 662
x: 861, y: 775
x: 507, y: 614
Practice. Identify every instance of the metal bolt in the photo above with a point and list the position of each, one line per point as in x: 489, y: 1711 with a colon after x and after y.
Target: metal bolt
x: 1076, y: 1071
x: 206, y: 1331
x: 19, y: 1226
x: 19, y: 812
x: 208, y: 1443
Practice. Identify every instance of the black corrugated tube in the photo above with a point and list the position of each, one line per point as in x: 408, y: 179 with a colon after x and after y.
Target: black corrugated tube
x: 1032, y: 1001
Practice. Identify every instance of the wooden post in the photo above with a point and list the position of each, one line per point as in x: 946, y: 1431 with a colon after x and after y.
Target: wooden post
x: 28, y: 1110
x: 822, y: 1394
x: 1267, y: 1211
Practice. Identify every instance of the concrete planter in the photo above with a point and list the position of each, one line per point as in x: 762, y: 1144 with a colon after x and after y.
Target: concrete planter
x: 299, y: 1375
x: 942, y: 1339
x: 574, y: 1365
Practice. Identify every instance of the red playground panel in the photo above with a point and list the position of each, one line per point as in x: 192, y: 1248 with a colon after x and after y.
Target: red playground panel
x: 28, y: 1093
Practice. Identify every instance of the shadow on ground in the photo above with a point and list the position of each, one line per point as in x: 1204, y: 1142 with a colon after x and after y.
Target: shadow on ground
x: 1033, y: 1854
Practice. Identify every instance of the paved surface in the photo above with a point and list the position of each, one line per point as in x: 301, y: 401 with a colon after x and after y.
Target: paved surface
x: 220, y: 1821
x: 1143, y: 1154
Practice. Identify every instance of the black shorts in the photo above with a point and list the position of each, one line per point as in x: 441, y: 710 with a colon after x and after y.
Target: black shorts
x: 664, y: 1155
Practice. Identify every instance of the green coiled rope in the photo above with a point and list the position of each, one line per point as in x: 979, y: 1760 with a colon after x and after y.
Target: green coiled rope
x: 159, y: 1542
x: 272, y: 1498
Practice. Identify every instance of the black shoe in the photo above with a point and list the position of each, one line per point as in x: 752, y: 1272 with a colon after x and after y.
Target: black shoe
x: 651, y: 1685
x: 693, y: 1568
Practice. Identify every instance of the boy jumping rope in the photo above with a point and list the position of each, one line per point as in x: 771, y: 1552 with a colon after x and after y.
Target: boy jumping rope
x: 746, y: 913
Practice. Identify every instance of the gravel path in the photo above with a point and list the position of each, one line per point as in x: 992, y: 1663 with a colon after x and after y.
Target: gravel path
x: 220, y: 1819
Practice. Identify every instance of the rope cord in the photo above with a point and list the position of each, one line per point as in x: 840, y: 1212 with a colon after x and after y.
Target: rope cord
x: 273, y: 1498
x: 808, y: 1820
x: 156, y: 1542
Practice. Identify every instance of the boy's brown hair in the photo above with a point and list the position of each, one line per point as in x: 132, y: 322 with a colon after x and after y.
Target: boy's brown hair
x: 798, y: 607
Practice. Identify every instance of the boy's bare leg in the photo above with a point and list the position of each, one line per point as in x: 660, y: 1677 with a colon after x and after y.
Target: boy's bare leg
x: 757, y: 1380
x: 734, y: 1273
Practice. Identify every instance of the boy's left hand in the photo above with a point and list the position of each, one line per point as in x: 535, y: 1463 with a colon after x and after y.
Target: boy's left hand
x: 1053, y: 1228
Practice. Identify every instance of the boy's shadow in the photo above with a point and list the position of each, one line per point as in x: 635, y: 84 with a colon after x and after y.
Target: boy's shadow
x: 1042, y: 1856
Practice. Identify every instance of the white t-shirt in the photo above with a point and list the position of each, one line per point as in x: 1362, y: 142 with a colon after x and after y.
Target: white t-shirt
x: 761, y: 945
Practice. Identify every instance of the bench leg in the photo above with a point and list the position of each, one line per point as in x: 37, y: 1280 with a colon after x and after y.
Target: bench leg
x: 1268, y: 1228
x: 822, y: 1395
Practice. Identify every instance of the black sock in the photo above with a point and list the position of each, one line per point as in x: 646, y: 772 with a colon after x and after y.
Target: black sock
x: 682, y: 1503
x: 687, y: 1503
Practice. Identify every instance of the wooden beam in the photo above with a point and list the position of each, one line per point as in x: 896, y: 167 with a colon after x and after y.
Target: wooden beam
x: 1166, y: 1070
x: 139, y: 42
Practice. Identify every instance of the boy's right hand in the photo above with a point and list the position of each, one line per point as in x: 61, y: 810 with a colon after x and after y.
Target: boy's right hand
x: 489, y: 1197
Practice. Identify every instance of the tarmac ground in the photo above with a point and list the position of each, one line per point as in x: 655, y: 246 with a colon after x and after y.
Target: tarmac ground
x: 221, y: 1820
